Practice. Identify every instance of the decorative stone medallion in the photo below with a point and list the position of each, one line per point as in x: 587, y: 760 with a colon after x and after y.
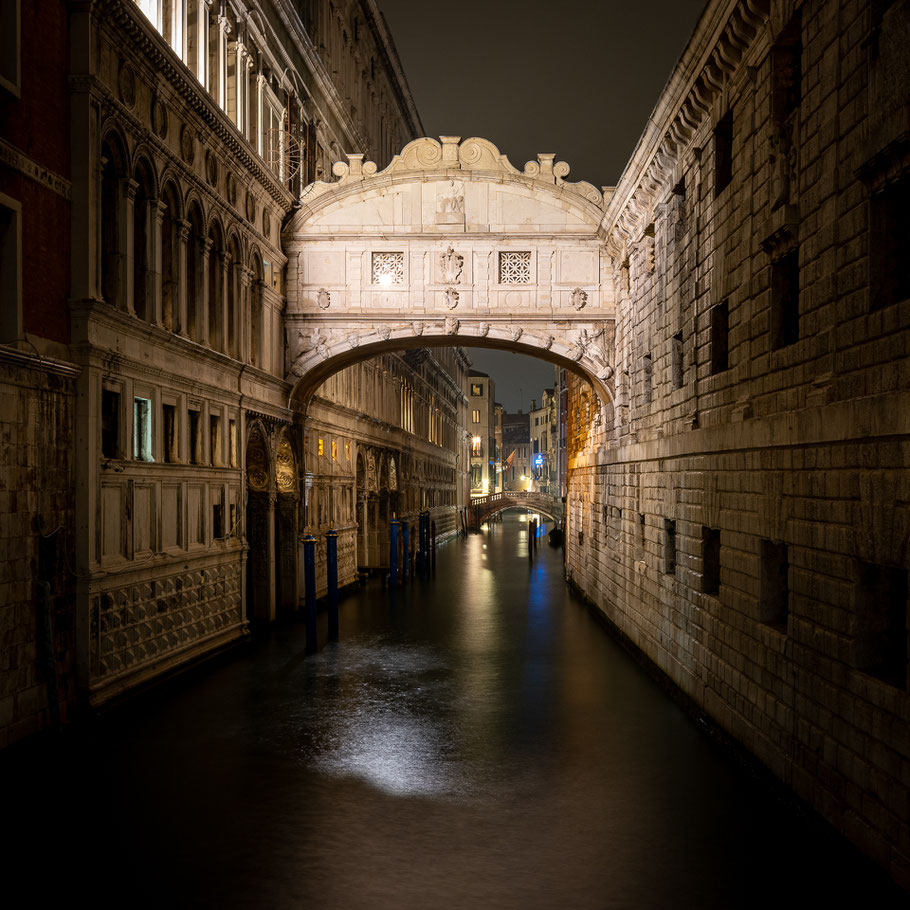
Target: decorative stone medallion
x: 126, y: 85
x: 579, y: 298
x: 266, y: 223
x: 211, y: 169
x: 230, y: 185
x: 187, y: 144
x: 323, y: 299
x: 284, y: 468
x: 257, y: 463
x: 250, y: 207
x: 159, y: 118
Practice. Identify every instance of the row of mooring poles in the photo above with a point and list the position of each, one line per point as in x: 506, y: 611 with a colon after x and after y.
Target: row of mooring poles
x: 425, y: 556
x: 532, y: 538
x: 309, y: 585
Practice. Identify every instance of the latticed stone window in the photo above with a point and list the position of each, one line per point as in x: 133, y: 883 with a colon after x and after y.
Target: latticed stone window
x: 388, y: 268
x: 515, y: 268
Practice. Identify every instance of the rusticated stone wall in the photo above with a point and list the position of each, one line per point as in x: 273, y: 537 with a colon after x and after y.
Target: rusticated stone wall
x: 743, y: 515
x: 150, y: 624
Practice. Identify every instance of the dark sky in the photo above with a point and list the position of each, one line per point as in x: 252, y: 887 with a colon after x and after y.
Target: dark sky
x: 574, y: 77
x: 578, y: 78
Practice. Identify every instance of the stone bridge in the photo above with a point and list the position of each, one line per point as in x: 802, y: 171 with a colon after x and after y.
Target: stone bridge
x: 483, y: 507
x: 449, y: 245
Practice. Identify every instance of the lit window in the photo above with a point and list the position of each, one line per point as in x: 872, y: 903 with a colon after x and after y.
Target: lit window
x: 232, y: 432
x: 475, y: 446
x: 476, y: 388
x: 388, y: 268
x: 475, y: 415
x: 334, y: 450
x: 347, y: 451
x: 320, y: 448
x: 142, y: 429
x: 215, y: 438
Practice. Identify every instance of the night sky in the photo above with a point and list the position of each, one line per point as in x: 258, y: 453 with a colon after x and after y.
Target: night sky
x: 575, y: 78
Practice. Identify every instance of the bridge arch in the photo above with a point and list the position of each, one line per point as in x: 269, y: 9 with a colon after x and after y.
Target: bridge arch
x: 449, y: 245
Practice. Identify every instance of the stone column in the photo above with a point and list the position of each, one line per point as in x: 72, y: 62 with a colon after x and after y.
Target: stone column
x: 180, y: 317
x: 128, y: 188
x: 219, y: 83
x: 244, y: 325
x: 202, y: 300
x: 156, y: 211
x: 224, y: 261
x: 87, y: 273
x: 201, y: 63
x: 239, y: 83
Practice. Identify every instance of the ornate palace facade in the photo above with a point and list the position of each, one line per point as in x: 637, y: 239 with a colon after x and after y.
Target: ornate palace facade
x: 147, y: 370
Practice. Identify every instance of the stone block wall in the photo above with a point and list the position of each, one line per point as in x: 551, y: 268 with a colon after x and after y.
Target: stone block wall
x: 743, y: 518
x: 37, y: 630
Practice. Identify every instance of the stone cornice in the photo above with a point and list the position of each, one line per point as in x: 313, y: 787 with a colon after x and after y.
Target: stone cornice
x: 722, y: 38
x: 38, y: 362
x: 156, y: 53
x: 474, y: 159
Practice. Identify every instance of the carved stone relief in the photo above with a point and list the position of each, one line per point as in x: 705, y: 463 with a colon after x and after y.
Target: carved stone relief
x: 579, y: 298
x: 451, y: 265
x: 257, y: 463
x: 285, y: 467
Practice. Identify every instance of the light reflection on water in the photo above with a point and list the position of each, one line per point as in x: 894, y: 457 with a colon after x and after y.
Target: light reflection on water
x: 472, y: 741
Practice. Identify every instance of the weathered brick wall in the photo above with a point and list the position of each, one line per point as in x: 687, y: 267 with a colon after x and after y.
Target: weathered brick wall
x: 37, y: 635
x: 798, y: 438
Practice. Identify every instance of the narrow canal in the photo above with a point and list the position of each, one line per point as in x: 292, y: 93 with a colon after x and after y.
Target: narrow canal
x: 473, y: 741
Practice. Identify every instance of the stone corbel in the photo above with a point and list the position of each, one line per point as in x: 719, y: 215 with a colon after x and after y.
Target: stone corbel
x: 780, y: 230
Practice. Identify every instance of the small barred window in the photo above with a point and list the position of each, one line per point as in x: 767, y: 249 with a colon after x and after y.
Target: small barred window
x: 388, y: 268
x: 515, y: 268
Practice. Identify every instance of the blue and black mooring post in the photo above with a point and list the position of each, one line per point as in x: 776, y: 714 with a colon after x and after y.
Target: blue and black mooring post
x: 406, y: 553
x: 309, y: 587
x: 393, y: 552
x: 433, y: 543
x: 331, y: 573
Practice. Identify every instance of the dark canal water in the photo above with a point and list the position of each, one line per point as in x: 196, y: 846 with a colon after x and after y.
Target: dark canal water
x: 474, y: 741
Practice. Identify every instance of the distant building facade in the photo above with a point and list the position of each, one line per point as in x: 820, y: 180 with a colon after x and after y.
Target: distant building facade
x: 483, y: 430
x: 542, y: 425
x: 516, y: 444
